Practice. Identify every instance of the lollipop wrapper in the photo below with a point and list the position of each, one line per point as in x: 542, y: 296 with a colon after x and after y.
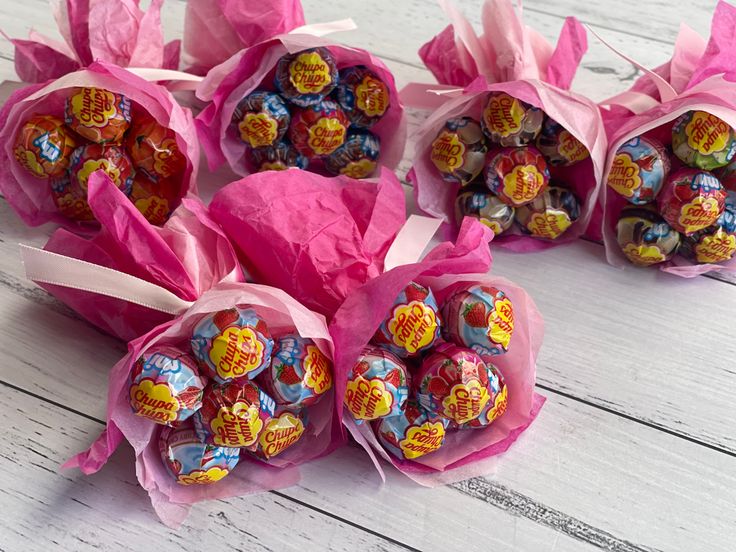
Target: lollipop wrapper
x: 513, y: 58
x: 214, y: 30
x: 698, y: 77
x: 31, y: 198
x: 113, y: 31
x: 188, y: 255
x: 324, y: 236
x: 226, y: 84
x: 170, y: 500
x: 443, y: 270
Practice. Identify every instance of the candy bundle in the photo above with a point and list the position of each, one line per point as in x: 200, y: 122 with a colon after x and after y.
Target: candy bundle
x: 209, y: 398
x: 292, y: 99
x: 670, y: 198
x: 452, y: 354
x: 427, y: 373
x: 508, y: 142
x: 55, y: 135
x: 102, y: 130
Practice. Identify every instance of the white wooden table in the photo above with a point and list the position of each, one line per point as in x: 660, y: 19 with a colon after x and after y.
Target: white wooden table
x: 635, y: 449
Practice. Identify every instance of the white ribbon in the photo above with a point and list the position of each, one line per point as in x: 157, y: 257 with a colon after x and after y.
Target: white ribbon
x: 51, y: 268
x: 323, y: 29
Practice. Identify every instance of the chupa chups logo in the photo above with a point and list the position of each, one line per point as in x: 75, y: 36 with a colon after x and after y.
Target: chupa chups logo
x: 317, y: 374
x: 448, y: 152
x: 371, y: 97
x: 280, y: 433
x: 258, y: 129
x: 309, y: 73
x: 162, y: 157
x: 522, y: 183
x: 549, y: 225
x: 700, y: 213
x: 368, y: 399
x: 644, y: 254
x: 501, y: 322
x: 465, y: 401
x: 28, y: 160
x: 154, y: 209
x: 571, y: 148
x: 202, y: 477
x: 92, y: 165
x: 236, y: 352
x: 624, y: 176
x: 237, y: 426
x: 326, y: 135
x: 273, y: 166
x: 493, y: 225
x: 93, y: 107
x: 707, y: 133
x: 154, y: 401
x: 715, y: 248
x: 503, y: 115
x: 423, y: 439
x: 412, y: 326
x: 359, y: 169
x: 500, y: 402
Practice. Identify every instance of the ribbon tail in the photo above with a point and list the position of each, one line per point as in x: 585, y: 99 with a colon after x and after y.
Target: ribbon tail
x: 411, y: 241
x: 323, y: 29
x: 178, y: 80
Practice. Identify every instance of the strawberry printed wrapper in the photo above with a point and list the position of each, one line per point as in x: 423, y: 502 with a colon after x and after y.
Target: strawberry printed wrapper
x: 118, y: 32
x: 33, y: 199
x: 511, y: 61
x: 188, y: 255
x: 170, y: 499
x: 255, y: 67
x: 413, y: 433
x: 687, y: 104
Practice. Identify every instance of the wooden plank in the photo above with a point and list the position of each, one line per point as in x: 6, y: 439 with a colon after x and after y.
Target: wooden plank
x: 47, y: 509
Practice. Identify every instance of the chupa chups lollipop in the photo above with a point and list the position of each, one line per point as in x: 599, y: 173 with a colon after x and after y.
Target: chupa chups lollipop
x: 453, y: 383
x: 299, y: 374
x: 261, y: 119
x: 479, y: 317
x: 413, y: 433
x: 283, y: 430
x: 727, y: 175
x: 98, y: 115
x: 702, y: 140
x: 233, y: 414
x: 691, y: 200
x: 494, y: 408
x: 716, y: 243
x: 644, y: 236
x: 43, y: 146
x: 155, y: 200
x: 510, y: 122
x: 549, y: 214
x: 318, y: 129
x: 307, y: 77
x: 378, y: 385
x: 191, y: 461
x: 560, y: 147
x: 639, y: 170
x: 413, y: 324
x: 357, y: 157
x: 280, y: 157
x: 70, y: 199
x: 486, y: 207
x: 232, y: 343
x: 165, y: 386
x: 516, y: 175
x: 363, y: 96
x: 459, y: 151
x: 109, y: 158
x: 153, y: 149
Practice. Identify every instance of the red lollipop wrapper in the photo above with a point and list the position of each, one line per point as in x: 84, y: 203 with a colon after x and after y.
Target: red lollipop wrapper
x: 32, y: 199
x: 188, y: 255
x: 282, y: 313
x: 698, y: 77
x: 260, y: 44
x: 356, y: 285
x: 510, y: 58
